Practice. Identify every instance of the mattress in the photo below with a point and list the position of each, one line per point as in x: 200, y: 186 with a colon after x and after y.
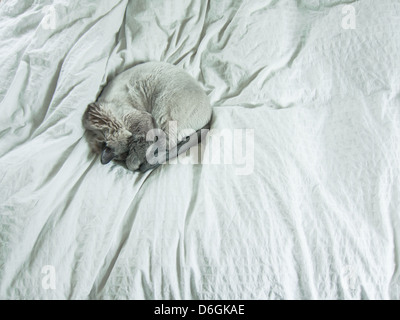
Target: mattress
x: 308, y: 210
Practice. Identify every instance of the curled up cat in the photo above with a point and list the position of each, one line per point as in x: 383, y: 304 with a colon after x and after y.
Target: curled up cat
x: 122, y: 124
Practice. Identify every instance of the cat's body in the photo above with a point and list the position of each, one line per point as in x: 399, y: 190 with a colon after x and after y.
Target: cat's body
x: 145, y: 97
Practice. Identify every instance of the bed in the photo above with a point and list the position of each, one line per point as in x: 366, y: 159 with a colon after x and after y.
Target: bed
x: 314, y: 215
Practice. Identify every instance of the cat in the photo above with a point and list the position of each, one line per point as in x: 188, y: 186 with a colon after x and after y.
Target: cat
x: 148, y: 96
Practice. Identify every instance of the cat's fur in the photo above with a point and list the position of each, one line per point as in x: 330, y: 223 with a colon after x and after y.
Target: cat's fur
x: 142, y: 98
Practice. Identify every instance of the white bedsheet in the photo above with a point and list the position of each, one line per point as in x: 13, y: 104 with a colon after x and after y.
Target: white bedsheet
x: 318, y: 217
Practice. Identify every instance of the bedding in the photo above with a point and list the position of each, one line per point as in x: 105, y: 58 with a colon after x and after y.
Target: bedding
x: 309, y: 211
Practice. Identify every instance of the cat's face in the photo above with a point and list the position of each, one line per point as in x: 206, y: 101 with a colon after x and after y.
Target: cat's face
x: 115, y: 146
x: 107, y: 135
x: 120, y: 139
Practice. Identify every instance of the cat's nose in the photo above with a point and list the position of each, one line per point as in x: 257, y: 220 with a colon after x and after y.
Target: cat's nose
x: 107, y: 155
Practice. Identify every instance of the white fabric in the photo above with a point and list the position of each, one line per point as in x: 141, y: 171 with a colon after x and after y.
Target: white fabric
x: 317, y: 218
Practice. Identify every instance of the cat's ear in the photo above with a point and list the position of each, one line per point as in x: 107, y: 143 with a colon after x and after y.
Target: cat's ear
x: 96, y: 118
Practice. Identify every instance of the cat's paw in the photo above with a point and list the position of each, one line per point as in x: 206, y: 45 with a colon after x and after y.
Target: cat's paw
x: 146, y: 167
x: 133, y: 165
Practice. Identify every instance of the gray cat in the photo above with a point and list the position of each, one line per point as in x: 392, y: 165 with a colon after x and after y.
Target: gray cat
x: 147, y: 96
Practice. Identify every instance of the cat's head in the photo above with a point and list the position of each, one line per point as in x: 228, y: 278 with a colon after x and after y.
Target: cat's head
x: 115, y: 137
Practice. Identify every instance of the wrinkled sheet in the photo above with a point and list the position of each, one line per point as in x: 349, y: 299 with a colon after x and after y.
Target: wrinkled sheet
x: 317, y: 217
